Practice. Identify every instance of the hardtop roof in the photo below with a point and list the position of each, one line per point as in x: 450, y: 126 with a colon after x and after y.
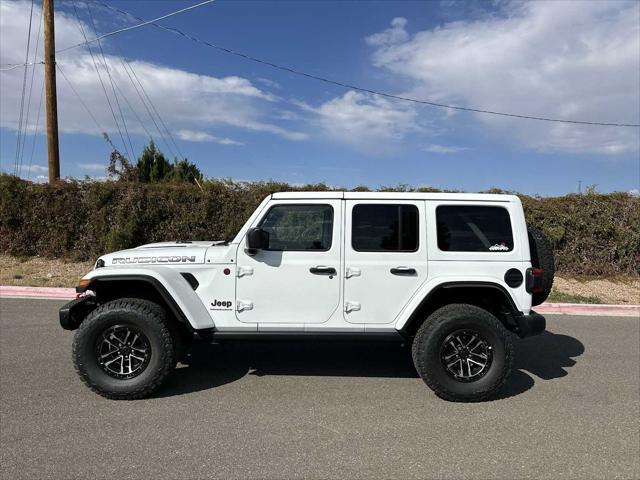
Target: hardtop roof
x: 468, y: 197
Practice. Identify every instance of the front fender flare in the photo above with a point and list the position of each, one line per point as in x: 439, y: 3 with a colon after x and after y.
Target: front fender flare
x: 178, y: 294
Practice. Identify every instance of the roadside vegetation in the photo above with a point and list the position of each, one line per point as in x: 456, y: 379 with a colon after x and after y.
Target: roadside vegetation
x: 594, y: 235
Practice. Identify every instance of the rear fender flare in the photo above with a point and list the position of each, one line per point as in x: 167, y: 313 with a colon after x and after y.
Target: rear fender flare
x: 428, y: 290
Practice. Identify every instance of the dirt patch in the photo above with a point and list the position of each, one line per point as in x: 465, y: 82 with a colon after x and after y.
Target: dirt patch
x: 596, y: 290
x: 46, y: 272
x: 41, y: 272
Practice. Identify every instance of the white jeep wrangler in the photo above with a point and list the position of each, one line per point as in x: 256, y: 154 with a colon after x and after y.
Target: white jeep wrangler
x: 454, y: 275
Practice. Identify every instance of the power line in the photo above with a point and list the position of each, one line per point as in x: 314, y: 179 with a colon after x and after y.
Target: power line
x: 111, y: 80
x: 317, y: 77
x: 145, y: 22
x: 73, y: 89
x: 13, y: 66
x: 135, y: 86
x: 355, y: 87
x: 33, y: 72
x: 24, y: 87
x: 104, y: 89
x: 35, y: 132
x: 157, y: 114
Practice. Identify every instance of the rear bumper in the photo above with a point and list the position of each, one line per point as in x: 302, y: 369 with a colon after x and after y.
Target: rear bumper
x: 532, y: 324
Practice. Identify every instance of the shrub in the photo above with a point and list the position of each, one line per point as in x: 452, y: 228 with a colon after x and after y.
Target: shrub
x: 593, y: 234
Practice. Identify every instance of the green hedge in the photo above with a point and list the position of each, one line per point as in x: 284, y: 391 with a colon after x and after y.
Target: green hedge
x: 593, y: 234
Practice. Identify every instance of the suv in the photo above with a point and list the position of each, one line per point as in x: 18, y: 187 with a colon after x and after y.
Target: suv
x: 453, y: 275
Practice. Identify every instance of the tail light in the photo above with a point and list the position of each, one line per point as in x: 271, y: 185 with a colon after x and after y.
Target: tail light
x: 534, y: 280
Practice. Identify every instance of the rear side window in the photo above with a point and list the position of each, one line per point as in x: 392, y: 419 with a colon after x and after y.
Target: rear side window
x: 299, y: 227
x: 467, y: 228
x: 383, y: 228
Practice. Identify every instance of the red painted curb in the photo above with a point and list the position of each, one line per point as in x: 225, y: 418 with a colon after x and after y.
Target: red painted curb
x: 37, y: 292
x: 548, y: 308
x: 589, y: 309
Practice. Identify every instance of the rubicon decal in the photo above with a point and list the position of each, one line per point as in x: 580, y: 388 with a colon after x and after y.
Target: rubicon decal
x: 221, y: 305
x: 160, y: 259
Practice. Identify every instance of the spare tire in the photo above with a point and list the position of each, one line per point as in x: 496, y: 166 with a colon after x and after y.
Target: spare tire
x: 542, y: 258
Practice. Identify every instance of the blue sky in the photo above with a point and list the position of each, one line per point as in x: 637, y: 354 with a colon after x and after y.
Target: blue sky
x: 246, y: 121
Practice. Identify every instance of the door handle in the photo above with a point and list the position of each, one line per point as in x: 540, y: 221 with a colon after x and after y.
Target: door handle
x: 407, y: 271
x: 322, y: 270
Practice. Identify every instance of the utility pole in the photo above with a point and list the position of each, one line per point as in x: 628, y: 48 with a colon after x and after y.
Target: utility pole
x: 50, y: 90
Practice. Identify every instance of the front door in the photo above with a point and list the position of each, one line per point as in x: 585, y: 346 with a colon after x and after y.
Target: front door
x: 385, y: 258
x: 296, y: 279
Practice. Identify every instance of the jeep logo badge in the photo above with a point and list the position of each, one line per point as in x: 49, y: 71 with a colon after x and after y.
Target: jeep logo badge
x: 221, y: 305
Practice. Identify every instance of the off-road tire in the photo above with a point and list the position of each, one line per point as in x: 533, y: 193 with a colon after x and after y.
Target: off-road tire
x: 147, y: 317
x: 542, y: 258
x: 426, y: 351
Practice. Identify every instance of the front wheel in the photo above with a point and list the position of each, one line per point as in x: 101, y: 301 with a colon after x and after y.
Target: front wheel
x: 463, y: 353
x: 124, y: 349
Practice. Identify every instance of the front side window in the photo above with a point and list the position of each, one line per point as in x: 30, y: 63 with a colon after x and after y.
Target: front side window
x: 467, y: 228
x: 299, y: 227
x: 384, y: 228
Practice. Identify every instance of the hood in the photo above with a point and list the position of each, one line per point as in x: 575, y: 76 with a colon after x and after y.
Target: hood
x: 165, y: 253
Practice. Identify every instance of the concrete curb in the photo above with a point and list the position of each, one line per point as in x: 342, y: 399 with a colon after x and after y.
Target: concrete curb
x: 545, y: 308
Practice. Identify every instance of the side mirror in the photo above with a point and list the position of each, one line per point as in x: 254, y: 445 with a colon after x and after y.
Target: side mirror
x: 257, y: 239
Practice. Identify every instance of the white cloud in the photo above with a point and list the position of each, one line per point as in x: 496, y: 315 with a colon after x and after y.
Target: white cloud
x: 395, y: 34
x: 92, y: 166
x: 200, y: 136
x: 186, y: 101
x: 269, y: 83
x: 564, y: 59
x: 366, y: 122
x: 434, y: 148
x: 36, y: 168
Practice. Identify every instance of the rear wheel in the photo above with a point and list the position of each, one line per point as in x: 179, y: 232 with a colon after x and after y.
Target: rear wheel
x: 463, y: 353
x: 124, y: 349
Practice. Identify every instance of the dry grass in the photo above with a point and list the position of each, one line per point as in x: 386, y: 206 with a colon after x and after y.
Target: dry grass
x: 45, y: 272
x: 615, y: 291
x: 41, y: 272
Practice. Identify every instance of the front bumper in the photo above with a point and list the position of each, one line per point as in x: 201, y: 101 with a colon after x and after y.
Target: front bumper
x: 72, y: 313
x: 532, y: 324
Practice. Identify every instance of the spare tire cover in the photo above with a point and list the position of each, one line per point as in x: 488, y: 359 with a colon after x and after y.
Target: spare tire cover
x: 542, y: 258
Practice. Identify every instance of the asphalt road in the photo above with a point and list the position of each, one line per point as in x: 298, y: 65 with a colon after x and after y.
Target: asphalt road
x: 286, y: 410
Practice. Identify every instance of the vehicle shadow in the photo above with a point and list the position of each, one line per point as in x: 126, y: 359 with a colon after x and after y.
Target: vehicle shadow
x: 546, y: 356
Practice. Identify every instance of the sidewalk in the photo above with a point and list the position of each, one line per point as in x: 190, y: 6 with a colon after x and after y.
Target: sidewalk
x: 545, y: 308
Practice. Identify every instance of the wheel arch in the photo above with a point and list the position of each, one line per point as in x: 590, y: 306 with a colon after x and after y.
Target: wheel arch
x: 136, y: 286
x: 167, y: 288
x: 488, y: 295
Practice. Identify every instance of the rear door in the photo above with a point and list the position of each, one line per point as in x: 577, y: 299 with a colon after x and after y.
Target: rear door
x: 385, y: 258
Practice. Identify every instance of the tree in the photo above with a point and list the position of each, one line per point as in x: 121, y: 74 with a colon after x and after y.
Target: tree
x: 153, y: 166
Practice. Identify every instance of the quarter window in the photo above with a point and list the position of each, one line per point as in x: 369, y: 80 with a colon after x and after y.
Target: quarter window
x: 299, y: 227
x: 468, y: 228
x: 384, y: 227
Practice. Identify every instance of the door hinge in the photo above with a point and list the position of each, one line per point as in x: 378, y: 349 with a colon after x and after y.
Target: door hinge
x: 352, y: 272
x: 352, y: 307
x: 242, y: 271
x: 242, y: 305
